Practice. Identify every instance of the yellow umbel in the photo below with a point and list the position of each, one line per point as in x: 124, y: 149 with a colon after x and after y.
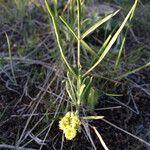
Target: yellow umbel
x: 70, y: 123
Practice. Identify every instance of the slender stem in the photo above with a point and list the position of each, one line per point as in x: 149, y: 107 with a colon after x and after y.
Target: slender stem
x: 78, y: 53
x: 79, y: 26
x: 55, y: 7
x: 57, y: 33
x: 10, y: 56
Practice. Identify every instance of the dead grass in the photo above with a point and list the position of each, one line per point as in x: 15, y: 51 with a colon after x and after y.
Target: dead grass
x: 31, y: 107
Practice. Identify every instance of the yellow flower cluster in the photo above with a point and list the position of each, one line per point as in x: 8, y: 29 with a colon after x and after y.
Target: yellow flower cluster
x: 70, y: 124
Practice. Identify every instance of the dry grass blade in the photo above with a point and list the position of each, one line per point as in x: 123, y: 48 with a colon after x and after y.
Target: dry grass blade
x: 134, y: 136
x: 10, y: 56
x: 86, y: 127
x: 92, y: 117
x: 52, y: 120
x: 100, y: 138
x: 6, y: 146
x: 40, y: 96
x: 135, y: 109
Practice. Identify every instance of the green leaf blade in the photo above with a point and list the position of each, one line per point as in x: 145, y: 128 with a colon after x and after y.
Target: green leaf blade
x: 114, y: 38
x: 58, y: 36
x: 96, y: 25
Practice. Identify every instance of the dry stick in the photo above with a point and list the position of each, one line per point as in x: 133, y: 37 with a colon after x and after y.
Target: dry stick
x: 52, y: 120
x: 115, y: 99
x: 36, y: 135
x: 87, y: 130
x: 86, y: 127
x: 54, y: 141
x: 3, y: 70
x: 20, y: 140
x: 108, y: 108
x: 43, y: 129
x: 9, y: 88
x: 36, y: 139
x: 134, y: 136
x: 100, y: 138
x: 37, y: 114
x: 42, y: 114
x: 134, y: 103
x: 62, y: 142
x: 66, y: 6
x: 23, y: 93
x: 29, y: 132
x: 30, y: 61
x: 5, y: 146
x: 52, y: 93
x: 135, y: 85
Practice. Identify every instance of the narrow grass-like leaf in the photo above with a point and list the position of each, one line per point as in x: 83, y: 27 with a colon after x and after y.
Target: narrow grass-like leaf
x: 112, y: 94
x: 104, y: 45
x: 88, y: 48
x: 55, y: 7
x: 68, y: 26
x: 71, y: 87
x: 11, y: 64
x: 58, y: 36
x: 124, y: 40
x: 85, y: 45
x: 107, y: 41
x: 81, y: 89
x: 92, y: 98
x: 96, y: 25
x: 86, y: 92
x: 133, y: 71
x: 72, y: 12
x: 92, y: 117
x: 120, y: 51
x: 114, y: 38
x: 78, y: 90
x: 68, y: 91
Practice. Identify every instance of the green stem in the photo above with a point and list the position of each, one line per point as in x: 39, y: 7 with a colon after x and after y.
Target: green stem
x: 78, y: 53
x: 79, y: 26
x: 55, y: 7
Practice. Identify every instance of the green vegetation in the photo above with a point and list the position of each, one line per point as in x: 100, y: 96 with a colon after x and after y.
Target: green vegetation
x: 60, y: 58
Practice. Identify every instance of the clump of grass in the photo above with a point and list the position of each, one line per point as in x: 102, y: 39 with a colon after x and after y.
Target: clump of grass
x: 21, y: 7
x: 47, y: 100
x: 78, y: 82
